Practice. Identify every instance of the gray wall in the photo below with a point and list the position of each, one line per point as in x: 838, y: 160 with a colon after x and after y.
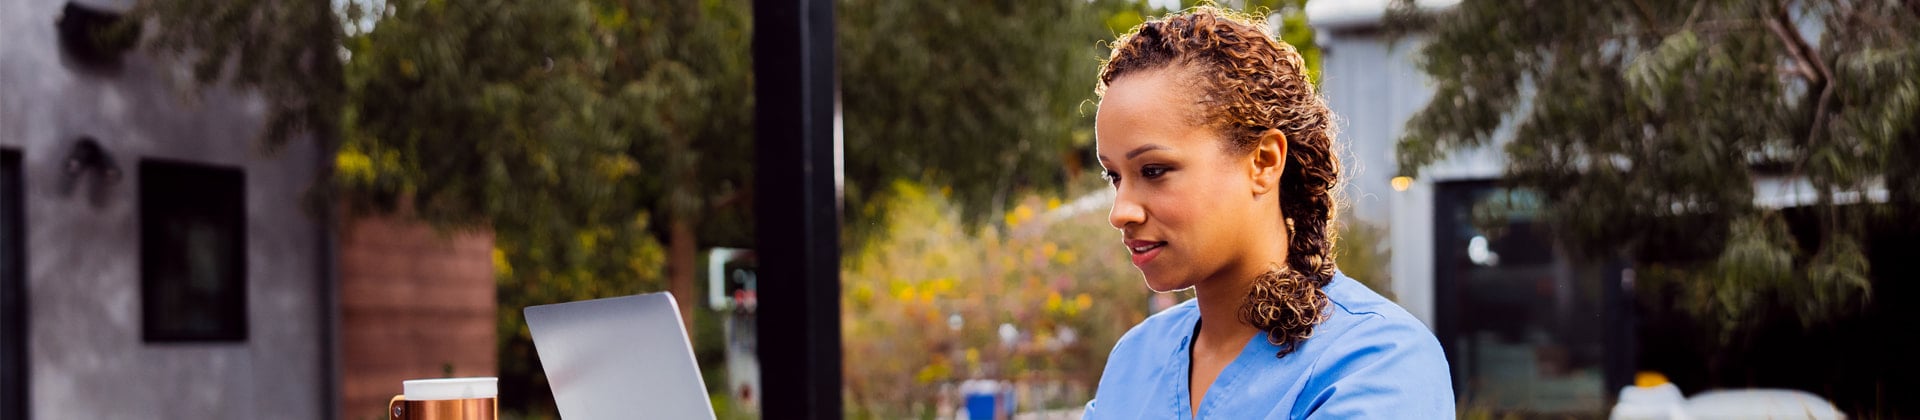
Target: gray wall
x: 86, y: 354
x: 1372, y: 85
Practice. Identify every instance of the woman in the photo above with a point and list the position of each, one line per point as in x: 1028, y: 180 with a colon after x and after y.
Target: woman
x: 1221, y: 156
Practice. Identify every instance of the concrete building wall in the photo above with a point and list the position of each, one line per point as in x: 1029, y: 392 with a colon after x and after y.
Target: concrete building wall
x: 86, y: 353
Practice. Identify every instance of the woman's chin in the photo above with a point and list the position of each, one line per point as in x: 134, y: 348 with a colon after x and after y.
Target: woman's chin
x: 1164, y: 283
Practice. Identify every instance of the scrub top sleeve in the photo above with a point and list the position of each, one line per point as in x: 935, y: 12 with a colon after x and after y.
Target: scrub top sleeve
x: 1382, y: 368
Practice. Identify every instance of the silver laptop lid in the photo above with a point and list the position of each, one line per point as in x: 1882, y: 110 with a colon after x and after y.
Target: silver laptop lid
x: 619, y: 358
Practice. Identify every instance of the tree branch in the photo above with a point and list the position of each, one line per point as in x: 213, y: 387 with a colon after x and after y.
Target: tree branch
x: 1782, y: 26
x: 1645, y: 15
x: 1707, y: 27
x: 1695, y: 14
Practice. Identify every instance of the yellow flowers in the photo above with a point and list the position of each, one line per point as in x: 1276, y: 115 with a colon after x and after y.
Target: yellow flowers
x: 1020, y: 214
x: 1057, y: 304
x: 934, y: 372
x: 616, y: 167
x: 940, y: 286
x: 587, y: 240
x: 928, y: 300
x: 862, y: 295
x: 352, y: 165
x: 501, y: 267
x: 905, y: 291
x: 904, y: 294
x: 1064, y: 257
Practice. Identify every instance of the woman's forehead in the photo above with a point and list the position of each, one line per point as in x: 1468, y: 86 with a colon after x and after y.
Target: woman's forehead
x: 1152, y: 106
x: 1147, y: 100
x: 1156, y: 90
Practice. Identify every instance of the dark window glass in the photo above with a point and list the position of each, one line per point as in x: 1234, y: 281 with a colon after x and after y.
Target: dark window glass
x: 192, y: 252
x: 1526, y: 328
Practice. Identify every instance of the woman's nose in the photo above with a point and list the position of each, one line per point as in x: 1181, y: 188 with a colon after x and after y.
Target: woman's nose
x: 1126, y: 211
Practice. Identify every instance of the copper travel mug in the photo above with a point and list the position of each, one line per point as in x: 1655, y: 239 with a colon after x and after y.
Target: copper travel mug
x: 446, y: 399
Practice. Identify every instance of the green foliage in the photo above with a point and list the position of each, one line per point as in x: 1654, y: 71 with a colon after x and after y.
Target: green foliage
x: 547, y: 117
x: 1362, y: 254
x: 578, y: 131
x: 1643, y: 126
x: 984, y: 97
x: 991, y: 99
x: 572, y: 130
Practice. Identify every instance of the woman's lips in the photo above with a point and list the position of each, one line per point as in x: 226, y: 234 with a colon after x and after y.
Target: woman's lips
x: 1144, y: 251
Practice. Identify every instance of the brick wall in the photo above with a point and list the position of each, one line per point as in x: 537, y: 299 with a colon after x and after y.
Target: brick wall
x: 414, y: 303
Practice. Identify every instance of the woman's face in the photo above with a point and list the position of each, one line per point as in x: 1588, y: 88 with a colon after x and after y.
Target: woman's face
x: 1182, y: 201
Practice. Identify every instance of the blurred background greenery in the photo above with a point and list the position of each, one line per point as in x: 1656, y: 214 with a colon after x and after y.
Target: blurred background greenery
x: 607, y: 143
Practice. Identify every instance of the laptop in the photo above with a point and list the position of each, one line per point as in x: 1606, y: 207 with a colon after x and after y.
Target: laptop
x: 619, y: 358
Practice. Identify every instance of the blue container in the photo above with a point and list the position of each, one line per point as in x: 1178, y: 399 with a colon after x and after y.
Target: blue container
x: 980, y: 406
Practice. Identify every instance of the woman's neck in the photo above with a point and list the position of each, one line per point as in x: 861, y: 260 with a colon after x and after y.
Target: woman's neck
x: 1220, y: 298
x: 1221, y: 325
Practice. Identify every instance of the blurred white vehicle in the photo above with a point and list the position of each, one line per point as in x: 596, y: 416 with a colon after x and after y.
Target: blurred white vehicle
x: 1653, y: 398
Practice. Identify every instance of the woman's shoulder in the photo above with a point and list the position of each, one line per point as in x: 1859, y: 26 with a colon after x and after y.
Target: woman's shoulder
x: 1371, y: 358
x: 1359, y: 318
x: 1351, y: 297
x: 1356, y: 308
x: 1364, y: 327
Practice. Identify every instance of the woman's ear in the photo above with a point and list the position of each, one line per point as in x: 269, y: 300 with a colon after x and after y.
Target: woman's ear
x: 1269, y: 159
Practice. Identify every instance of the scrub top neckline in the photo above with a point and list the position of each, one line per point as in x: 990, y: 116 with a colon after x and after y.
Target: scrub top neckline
x: 1222, y: 385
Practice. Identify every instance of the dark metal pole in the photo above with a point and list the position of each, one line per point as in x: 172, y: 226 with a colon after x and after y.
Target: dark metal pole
x: 797, y: 209
x: 14, y: 331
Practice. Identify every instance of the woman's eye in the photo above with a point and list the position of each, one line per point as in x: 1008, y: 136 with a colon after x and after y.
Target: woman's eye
x: 1152, y: 172
x: 1111, y: 176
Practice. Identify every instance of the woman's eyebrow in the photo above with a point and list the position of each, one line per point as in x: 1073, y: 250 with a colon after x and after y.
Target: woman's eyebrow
x: 1138, y: 150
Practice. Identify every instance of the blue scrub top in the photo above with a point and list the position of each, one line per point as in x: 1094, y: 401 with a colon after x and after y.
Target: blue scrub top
x: 1370, y: 360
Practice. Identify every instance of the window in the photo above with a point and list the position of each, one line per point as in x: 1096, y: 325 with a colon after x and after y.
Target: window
x: 1527, y: 328
x: 192, y: 253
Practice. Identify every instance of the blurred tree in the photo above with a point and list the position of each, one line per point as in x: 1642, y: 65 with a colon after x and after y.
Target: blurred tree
x: 1644, y: 125
x: 990, y: 99
x: 584, y: 134
x: 982, y: 96
x: 587, y: 134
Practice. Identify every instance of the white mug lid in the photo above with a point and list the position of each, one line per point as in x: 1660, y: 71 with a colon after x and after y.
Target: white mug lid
x: 450, y: 388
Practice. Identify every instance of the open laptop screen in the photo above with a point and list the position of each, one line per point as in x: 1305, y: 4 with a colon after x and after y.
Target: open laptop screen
x: 619, y: 358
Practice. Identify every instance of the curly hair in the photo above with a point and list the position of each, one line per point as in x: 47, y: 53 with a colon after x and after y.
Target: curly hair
x: 1247, y: 83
